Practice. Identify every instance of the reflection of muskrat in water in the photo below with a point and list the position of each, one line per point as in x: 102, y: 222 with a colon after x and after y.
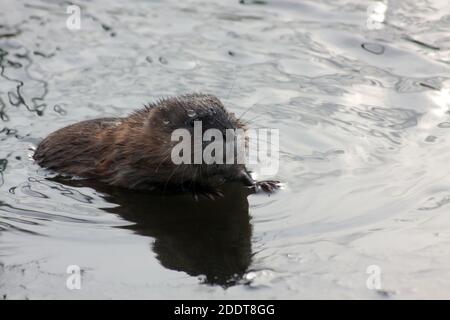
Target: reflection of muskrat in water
x: 135, y: 152
x: 211, y: 239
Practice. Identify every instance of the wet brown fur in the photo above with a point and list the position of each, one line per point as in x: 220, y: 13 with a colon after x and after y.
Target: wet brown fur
x: 134, y: 152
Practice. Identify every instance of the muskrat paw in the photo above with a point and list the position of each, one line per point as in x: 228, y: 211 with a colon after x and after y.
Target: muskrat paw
x: 268, y: 186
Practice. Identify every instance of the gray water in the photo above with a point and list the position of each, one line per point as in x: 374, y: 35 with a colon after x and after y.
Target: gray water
x: 364, y: 121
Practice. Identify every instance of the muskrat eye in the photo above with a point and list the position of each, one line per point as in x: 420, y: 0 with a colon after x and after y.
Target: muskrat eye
x: 191, y: 113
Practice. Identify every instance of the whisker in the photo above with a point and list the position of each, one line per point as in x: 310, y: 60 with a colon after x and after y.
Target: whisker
x: 170, y: 177
x: 253, y: 119
x: 248, y: 109
x: 232, y: 84
x: 164, y: 159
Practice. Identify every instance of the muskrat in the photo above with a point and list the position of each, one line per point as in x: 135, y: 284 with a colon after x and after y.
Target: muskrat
x: 134, y: 152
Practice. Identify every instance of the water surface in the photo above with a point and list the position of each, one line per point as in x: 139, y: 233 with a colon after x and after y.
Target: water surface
x: 364, y: 124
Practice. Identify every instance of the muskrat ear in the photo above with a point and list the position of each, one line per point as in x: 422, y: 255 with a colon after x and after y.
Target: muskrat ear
x: 164, y: 115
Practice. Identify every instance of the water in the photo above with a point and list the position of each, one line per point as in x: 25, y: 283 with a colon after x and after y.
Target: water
x: 363, y: 117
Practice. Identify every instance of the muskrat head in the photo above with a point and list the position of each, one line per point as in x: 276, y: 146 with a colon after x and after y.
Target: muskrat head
x: 190, y: 135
